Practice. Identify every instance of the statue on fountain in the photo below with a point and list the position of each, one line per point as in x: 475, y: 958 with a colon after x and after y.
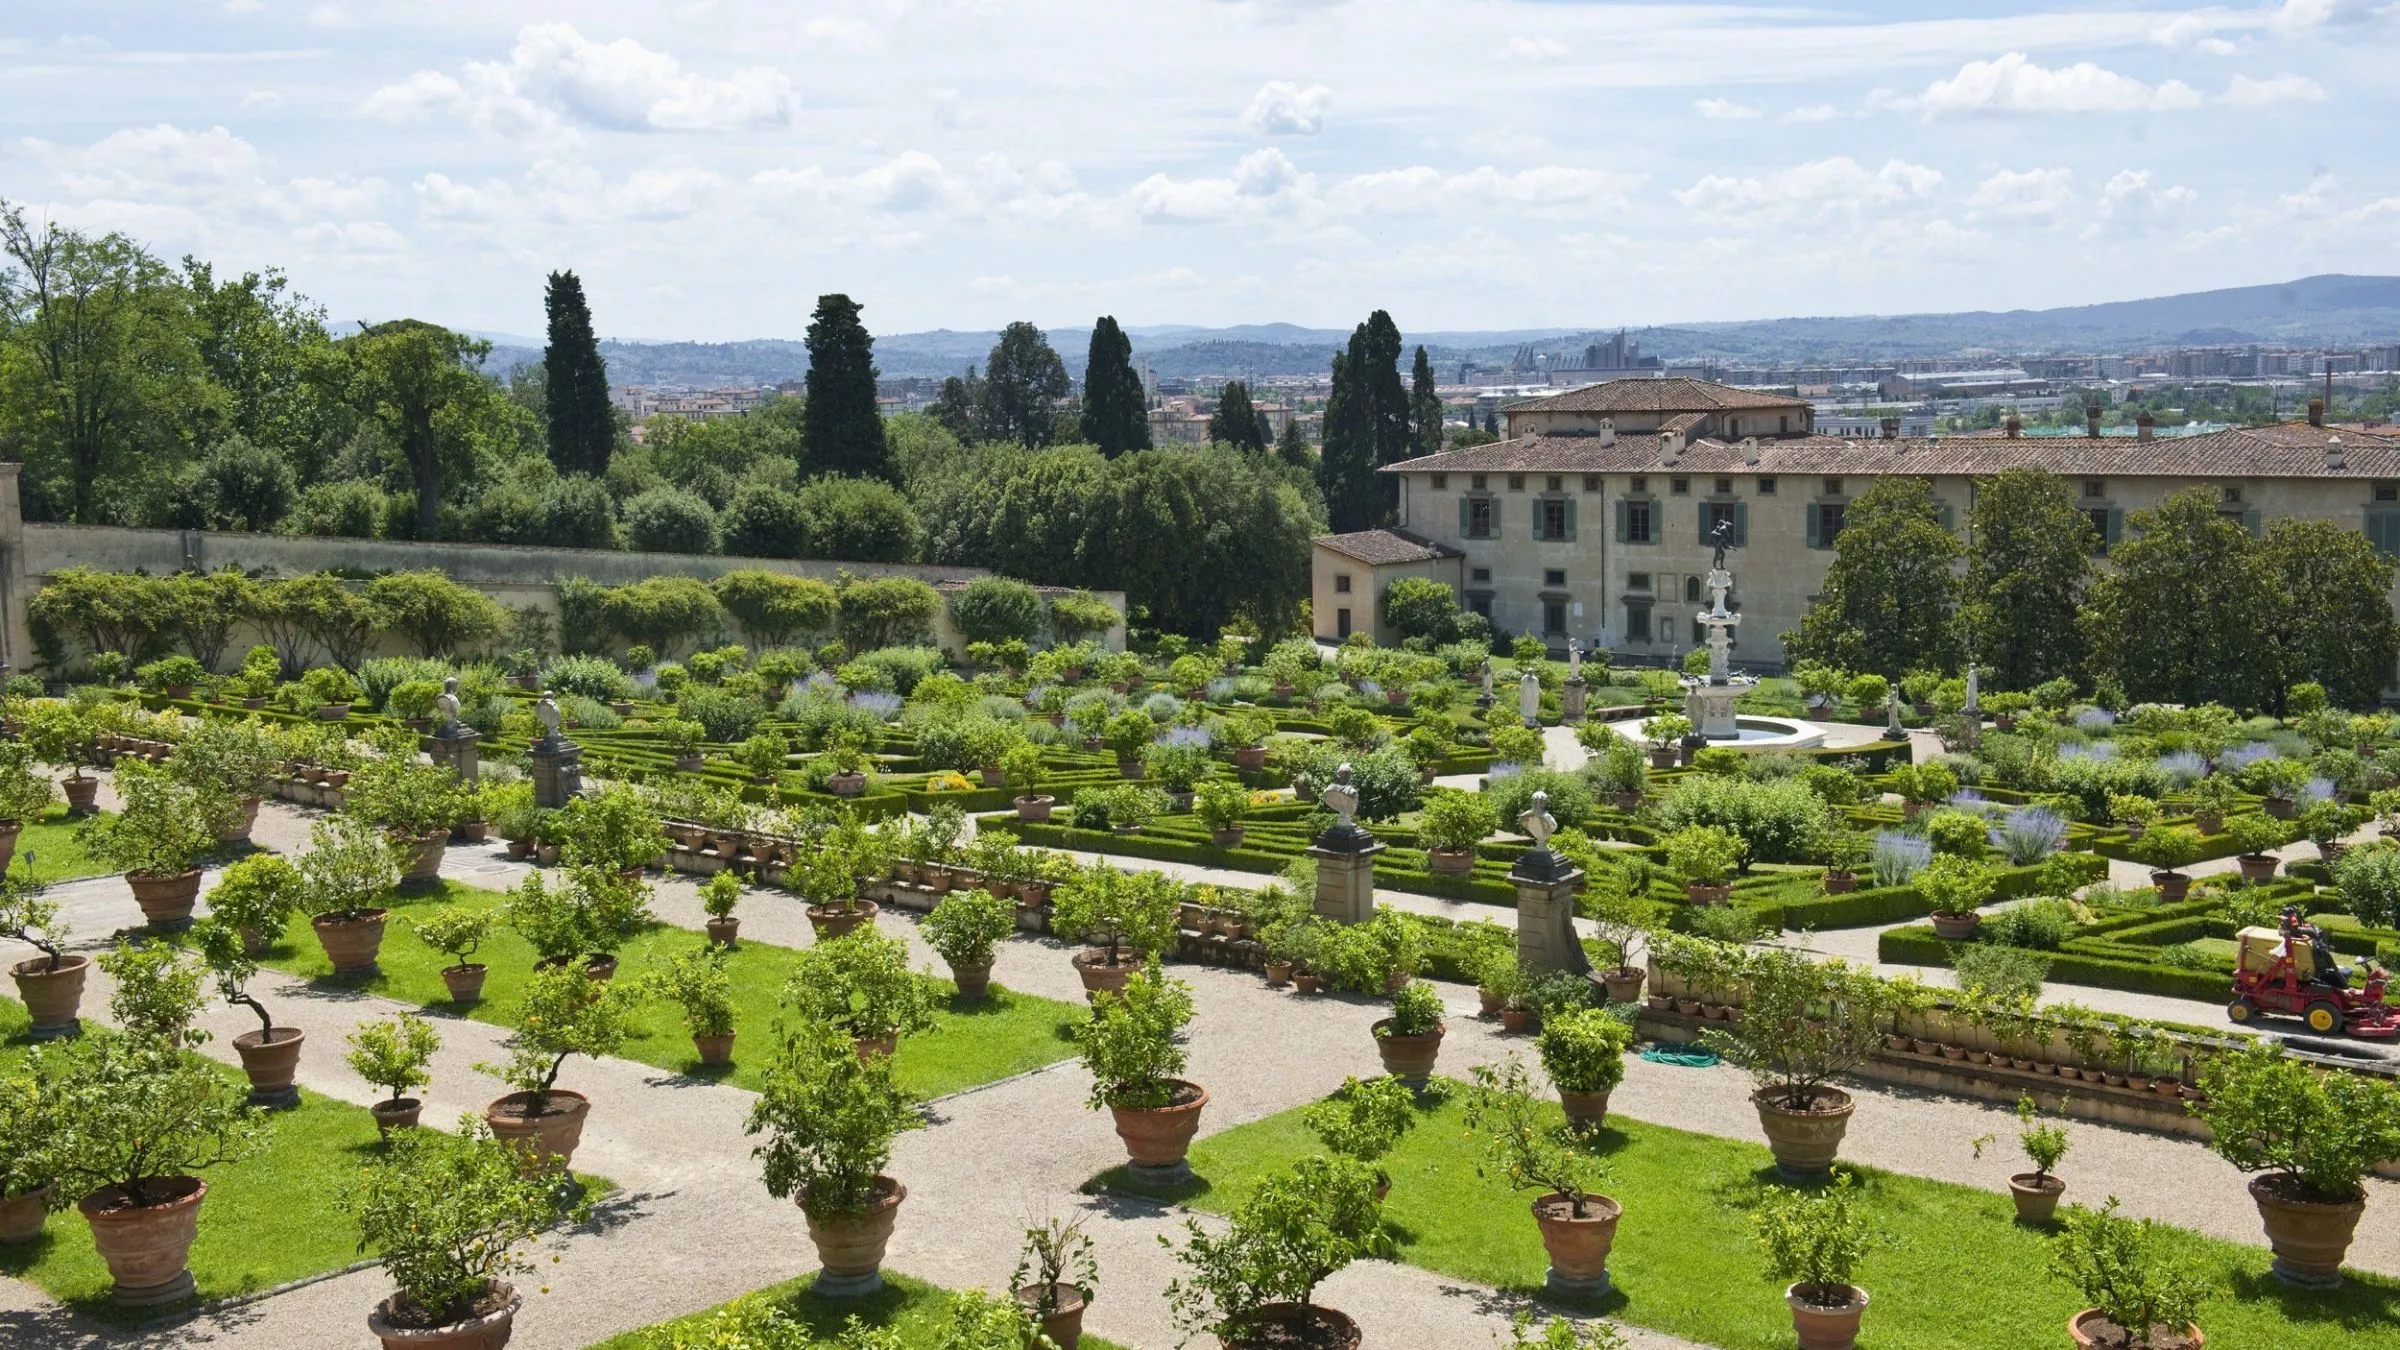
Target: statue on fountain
x: 1709, y: 702
x: 1722, y: 538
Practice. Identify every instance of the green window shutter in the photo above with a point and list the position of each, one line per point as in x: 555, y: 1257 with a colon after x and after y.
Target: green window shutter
x: 1948, y: 516
x: 1570, y: 520
x: 1623, y: 510
x: 1462, y: 516
x: 1537, y: 518
x: 2250, y: 521
x: 2380, y: 533
x: 1495, y: 517
x: 1704, y: 522
x: 1741, y: 524
x: 1816, y: 518
x: 2116, y: 526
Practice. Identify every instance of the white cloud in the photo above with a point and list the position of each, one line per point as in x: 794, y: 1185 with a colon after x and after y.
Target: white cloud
x: 2015, y: 84
x: 1550, y: 190
x: 2130, y: 205
x: 2023, y: 194
x: 165, y: 163
x: 1538, y: 47
x: 844, y: 34
x: 1725, y: 110
x: 1820, y: 112
x: 1265, y: 183
x: 2245, y: 92
x: 1282, y: 108
x: 261, y: 98
x: 1822, y: 191
x: 555, y: 74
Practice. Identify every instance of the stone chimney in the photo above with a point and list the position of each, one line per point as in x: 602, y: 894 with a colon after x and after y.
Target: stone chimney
x: 2333, y: 453
x: 1750, y: 450
x: 2145, y: 426
x: 2014, y: 426
x: 1608, y: 431
x: 2091, y: 420
x: 2316, y: 412
x: 1891, y: 428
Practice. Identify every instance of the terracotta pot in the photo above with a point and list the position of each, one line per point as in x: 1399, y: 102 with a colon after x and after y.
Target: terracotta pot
x: 846, y: 784
x: 550, y: 1137
x: 1281, y: 1325
x: 167, y: 900
x: 269, y: 1058
x: 1279, y: 974
x: 1624, y: 983
x: 2172, y: 886
x: 1707, y: 892
x: 833, y: 923
x: 2090, y: 1317
x: 1252, y: 757
x: 1036, y: 809
x: 2257, y: 867
x: 52, y: 996
x: 1307, y: 981
x: 1159, y: 1136
x: 1451, y: 862
x: 1515, y: 1019
x: 9, y: 830
x: 1093, y: 968
x: 2278, y: 807
x: 351, y: 944
x: 1585, y: 1110
x: 1408, y: 1057
x: 1578, y: 1248
x: 1064, y: 1327
x: 81, y: 794
x: 2209, y: 822
x: 1956, y: 927
x: 2036, y: 1196
x: 21, y: 1216
x: 850, y: 1246
x: 875, y: 1047
x: 147, y: 1247
x: 973, y: 981
x: 2309, y: 1237
x: 724, y: 932
x: 397, y: 1113
x: 1840, y: 883
x: 1827, y: 1328
x: 1226, y: 838
x: 424, y: 855
x: 239, y: 831
x: 490, y: 1331
x: 465, y: 982
x: 714, y: 1050
x: 520, y: 848
x: 1804, y: 1142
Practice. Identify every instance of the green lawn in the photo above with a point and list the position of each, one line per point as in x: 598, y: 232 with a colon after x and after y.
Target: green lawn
x: 1957, y: 1273
x: 919, y: 1311
x: 970, y: 1043
x: 57, y: 855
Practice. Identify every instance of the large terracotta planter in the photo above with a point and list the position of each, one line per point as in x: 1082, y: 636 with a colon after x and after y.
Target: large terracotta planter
x: 1159, y: 1136
x: 167, y: 900
x: 1624, y: 983
x: 424, y: 856
x: 147, y: 1247
x: 351, y: 944
x: 239, y: 831
x: 465, y: 982
x: 1820, y: 1327
x: 1585, y: 1110
x: 2090, y: 1317
x: 1804, y: 1142
x: 2036, y: 1196
x: 9, y: 830
x: 52, y: 996
x: 487, y: 1331
x: 1956, y: 927
x: 834, y: 923
x: 850, y: 1246
x: 1093, y: 967
x: 1035, y: 810
x: 724, y: 932
x: 2257, y: 868
x: 1450, y: 862
x: 21, y: 1217
x: 550, y: 1137
x: 1279, y: 1325
x: 270, y: 1058
x: 714, y: 1051
x: 2173, y: 887
x: 397, y: 1113
x: 2309, y: 1237
x: 1065, y: 1326
x: 1409, y: 1057
x: 82, y: 794
x: 973, y: 981
x: 1578, y: 1248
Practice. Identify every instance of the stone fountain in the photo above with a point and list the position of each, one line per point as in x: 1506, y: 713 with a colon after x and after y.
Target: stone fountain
x: 1708, y: 700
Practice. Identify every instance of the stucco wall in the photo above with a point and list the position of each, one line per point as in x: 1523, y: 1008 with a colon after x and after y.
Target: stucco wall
x: 1364, y: 599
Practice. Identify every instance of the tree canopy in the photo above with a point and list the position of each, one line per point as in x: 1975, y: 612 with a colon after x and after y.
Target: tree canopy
x: 582, y: 426
x: 2028, y: 567
x: 1116, y: 413
x: 1236, y: 422
x: 1889, y: 603
x: 841, y: 426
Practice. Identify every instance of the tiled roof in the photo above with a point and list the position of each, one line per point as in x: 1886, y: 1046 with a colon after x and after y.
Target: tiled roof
x: 1651, y: 396
x: 2287, y: 450
x: 1386, y: 548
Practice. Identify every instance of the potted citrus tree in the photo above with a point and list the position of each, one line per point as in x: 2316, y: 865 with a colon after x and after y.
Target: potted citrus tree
x: 1410, y: 1039
x: 827, y: 876
x: 1955, y: 888
x: 24, y: 795
x: 1814, y: 1243
x: 446, y: 1216
x: 393, y: 1054
x: 696, y: 983
x: 1804, y: 1024
x: 2142, y: 1297
x: 50, y: 984
x: 271, y: 1054
x: 1704, y: 856
x: 1253, y: 1285
x: 2312, y: 1137
x: 417, y: 804
x: 2043, y: 1143
x: 1120, y: 917
x: 1056, y: 1278
x: 350, y: 866
x: 2164, y: 850
x: 1363, y: 1121
x: 1222, y: 804
x: 1583, y: 1052
x: 861, y: 985
x: 456, y: 931
x: 565, y: 1013
x: 1022, y: 765
x: 25, y: 1190
x: 62, y: 735
x: 830, y: 1116
x: 1523, y: 1148
x: 718, y: 896
x: 966, y: 929
x: 259, y: 895
x: 2258, y: 835
x: 156, y: 838
x: 1130, y: 1046
x: 1450, y: 827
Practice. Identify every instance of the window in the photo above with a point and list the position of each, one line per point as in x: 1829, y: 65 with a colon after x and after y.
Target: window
x: 2107, y: 523
x: 2383, y: 531
x: 1833, y: 487
x: 1637, y: 581
x: 1516, y: 482
x: 1341, y: 623
x: 1825, y: 523
x: 1482, y: 517
x: 2387, y: 492
x: 1639, y: 484
x: 1591, y: 482
x: 1440, y: 481
x: 1476, y: 482
x: 1480, y: 602
x: 2095, y: 487
x: 1724, y: 487
x: 1691, y: 590
x: 1637, y: 622
x: 1783, y: 425
x: 1637, y: 522
x: 1483, y: 574
x: 1554, y: 483
x: 1766, y: 487
x: 1554, y: 519
x: 1679, y: 486
x: 1554, y: 577
x: 1554, y: 617
x: 1341, y: 583
x: 2233, y: 495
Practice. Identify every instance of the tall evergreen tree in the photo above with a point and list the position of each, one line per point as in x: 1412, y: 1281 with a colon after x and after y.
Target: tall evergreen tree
x: 1292, y: 447
x: 1022, y: 384
x: 1425, y: 406
x: 1346, y: 459
x: 1236, y: 421
x: 2179, y: 614
x: 841, y: 429
x: 2027, y: 571
x: 1378, y: 371
x: 583, y: 428
x: 1116, y: 414
x: 1889, y: 600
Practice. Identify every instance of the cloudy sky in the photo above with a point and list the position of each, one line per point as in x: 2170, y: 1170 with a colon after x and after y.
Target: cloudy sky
x: 710, y: 166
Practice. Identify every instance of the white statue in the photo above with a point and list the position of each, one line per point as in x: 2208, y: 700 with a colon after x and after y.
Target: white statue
x: 446, y: 706
x: 1974, y: 706
x: 546, y: 712
x: 1574, y: 658
x: 1536, y: 820
x: 1891, y: 709
x: 1487, y: 679
x: 1342, y: 799
x: 1529, y: 698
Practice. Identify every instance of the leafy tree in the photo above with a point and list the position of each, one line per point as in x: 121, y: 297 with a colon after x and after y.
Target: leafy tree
x: 959, y: 407
x: 207, y: 606
x: 263, y: 349
x: 763, y: 521
x: 349, y: 509
x: 1116, y: 412
x: 1292, y: 449
x: 416, y: 378
x: 1236, y: 422
x: 996, y: 609
x: 239, y: 486
x: 438, y: 614
x: 2179, y: 616
x: 2329, y: 616
x: 856, y: 520
x: 887, y: 612
x: 1366, y: 427
x: 582, y: 425
x: 2027, y: 571
x: 670, y: 520
x: 1023, y: 382
x: 1424, y: 406
x: 112, y: 611
x: 1889, y: 601
x: 318, y: 608
x: 841, y: 427
x: 663, y: 613
x: 776, y: 608
x: 1421, y: 607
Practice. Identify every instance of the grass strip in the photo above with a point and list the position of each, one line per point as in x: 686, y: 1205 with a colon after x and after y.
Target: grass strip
x: 920, y: 1312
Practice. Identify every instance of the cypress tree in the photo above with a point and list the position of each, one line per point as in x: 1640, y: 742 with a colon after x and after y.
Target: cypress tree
x: 1292, y: 447
x: 1375, y: 361
x: 1236, y: 421
x: 1425, y: 406
x: 1346, y: 463
x: 841, y: 430
x: 1116, y: 413
x: 582, y: 428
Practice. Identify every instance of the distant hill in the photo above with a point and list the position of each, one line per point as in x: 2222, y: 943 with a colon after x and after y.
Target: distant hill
x: 2320, y: 309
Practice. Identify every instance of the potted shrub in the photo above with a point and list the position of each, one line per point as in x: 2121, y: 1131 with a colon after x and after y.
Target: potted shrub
x: 271, y: 1054
x: 394, y: 1054
x: 682, y: 738
x: 2043, y: 1142
x: 1130, y: 1046
x: 233, y: 765
x: 1246, y: 730
x: 845, y: 762
x: 1177, y: 761
x: 615, y: 831
x: 1128, y: 735
x: 333, y: 690
x: 1845, y: 850
x: 2212, y: 799
x: 445, y: 1215
x: 24, y: 796
x: 2312, y: 1136
x: 1363, y: 1121
x: 417, y: 804
x: 1583, y: 1052
x: 718, y: 895
x: 1814, y: 1243
x: 349, y: 867
x: 860, y: 982
x: 148, y: 1118
x: 1120, y: 917
x: 695, y: 982
x: 1704, y: 856
x: 1251, y: 1286
x: 2258, y: 836
x: 1221, y: 803
x: 1619, y: 917
x: 1450, y: 827
x: 564, y: 1014
x: 62, y: 735
x: 2141, y: 1296
x: 1523, y: 1148
x: 1022, y: 764
x: 156, y: 838
x: 51, y: 984
x: 764, y: 756
x: 1954, y: 888
x: 827, y: 877
x: 831, y: 1115
x: 258, y: 895
x: 1499, y: 982
x: 2324, y: 823
x: 1411, y: 1038
x: 456, y: 931
x: 1665, y: 733
x: 965, y: 928
x: 2135, y: 812
x: 1804, y: 1024
x: 1056, y: 1278
x: 2165, y: 849
x: 25, y: 1130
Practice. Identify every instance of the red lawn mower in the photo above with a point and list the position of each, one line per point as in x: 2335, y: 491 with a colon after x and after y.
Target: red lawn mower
x: 2291, y: 970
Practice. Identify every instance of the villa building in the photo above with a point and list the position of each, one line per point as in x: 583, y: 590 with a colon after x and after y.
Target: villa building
x: 1591, y: 520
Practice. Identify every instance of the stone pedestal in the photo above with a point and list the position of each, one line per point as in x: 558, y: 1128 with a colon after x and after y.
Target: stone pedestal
x: 1546, y: 940
x: 556, y: 766
x: 457, y: 753
x: 1571, y: 698
x: 1345, y: 858
x: 1710, y: 708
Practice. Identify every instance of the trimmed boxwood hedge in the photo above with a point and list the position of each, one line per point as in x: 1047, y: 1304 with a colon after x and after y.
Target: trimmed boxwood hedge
x: 1918, y: 946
